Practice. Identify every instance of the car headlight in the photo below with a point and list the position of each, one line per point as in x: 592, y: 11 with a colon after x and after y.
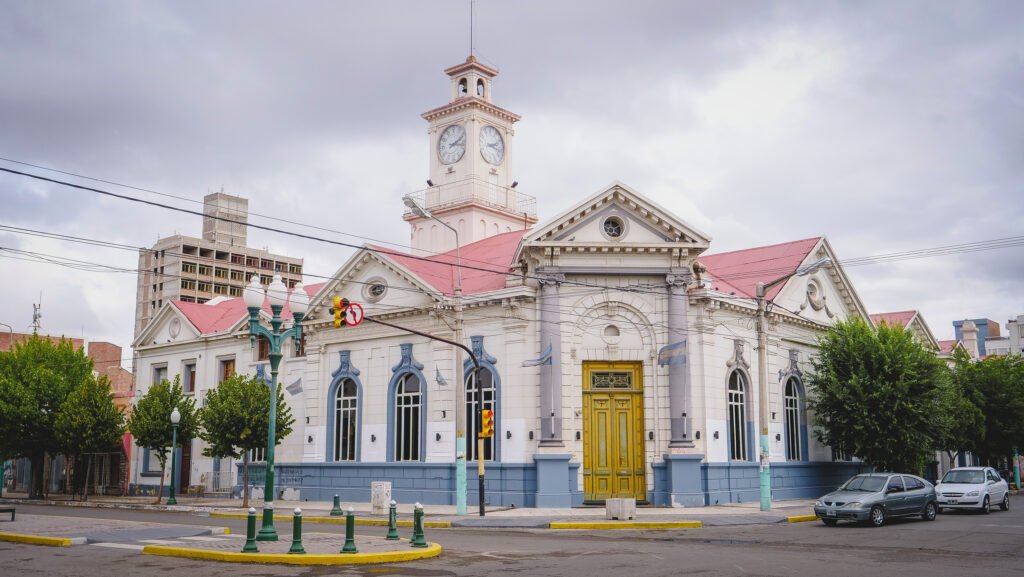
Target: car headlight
x: 854, y: 505
x: 973, y: 493
x: 819, y: 503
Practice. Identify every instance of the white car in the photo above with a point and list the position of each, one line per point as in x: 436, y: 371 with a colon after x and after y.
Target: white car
x: 975, y: 488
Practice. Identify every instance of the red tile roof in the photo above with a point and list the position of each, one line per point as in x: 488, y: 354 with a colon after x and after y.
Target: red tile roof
x: 947, y: 347
x: 897, y: 319
x: 739, y: 271
x: 218, y: 316
x: 492, y: 254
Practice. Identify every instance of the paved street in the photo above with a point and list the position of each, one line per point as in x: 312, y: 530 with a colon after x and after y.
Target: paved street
x: 957, y: 544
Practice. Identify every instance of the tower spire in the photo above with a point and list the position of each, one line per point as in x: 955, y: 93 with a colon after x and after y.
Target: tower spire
x: 472, y: 5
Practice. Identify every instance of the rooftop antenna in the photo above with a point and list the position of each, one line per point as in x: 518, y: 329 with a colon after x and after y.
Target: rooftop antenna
x: 37, y: 314
x: 472, y: 4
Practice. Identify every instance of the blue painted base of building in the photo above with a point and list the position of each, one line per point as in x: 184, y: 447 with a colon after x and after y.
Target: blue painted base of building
x: 552, y: 481
x: 548, y: 482
x: 685, y: 481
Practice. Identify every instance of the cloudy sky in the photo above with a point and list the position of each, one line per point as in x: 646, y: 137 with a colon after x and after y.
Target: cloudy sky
x: 887, y: 127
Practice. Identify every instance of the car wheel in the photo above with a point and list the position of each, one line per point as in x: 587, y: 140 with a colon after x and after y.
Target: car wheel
x: 829, y: 522
x: 930, y: 511
x: 1005, y: 505
x: 985, y: 507
x: 877, y: 516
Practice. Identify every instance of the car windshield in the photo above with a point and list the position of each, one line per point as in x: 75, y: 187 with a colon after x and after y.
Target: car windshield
x: 971, y: 477
x: 867, y: 483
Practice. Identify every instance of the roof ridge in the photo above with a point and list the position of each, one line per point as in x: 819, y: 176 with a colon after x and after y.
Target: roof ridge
x: 814, y: 238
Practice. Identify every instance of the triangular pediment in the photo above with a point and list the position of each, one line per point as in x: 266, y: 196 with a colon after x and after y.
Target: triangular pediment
x: 618, y: 215
x: 824, y: 296
x: 169, y: 325
x: 375, y: 281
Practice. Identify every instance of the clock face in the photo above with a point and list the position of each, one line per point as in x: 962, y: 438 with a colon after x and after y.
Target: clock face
x: 452, y: 144
x: 492, y: 146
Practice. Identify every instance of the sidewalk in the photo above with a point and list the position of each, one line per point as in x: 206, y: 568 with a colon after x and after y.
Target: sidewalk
x: 731, y: 514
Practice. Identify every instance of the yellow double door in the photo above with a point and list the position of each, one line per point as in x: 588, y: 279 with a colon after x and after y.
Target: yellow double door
x: 613, y: 425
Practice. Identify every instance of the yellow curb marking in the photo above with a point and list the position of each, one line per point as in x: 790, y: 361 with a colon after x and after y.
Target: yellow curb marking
x: 627, y: 525
x: 433, y: 550
x: 339, y: 520
x: 801, y: 518
x: 36, y: 539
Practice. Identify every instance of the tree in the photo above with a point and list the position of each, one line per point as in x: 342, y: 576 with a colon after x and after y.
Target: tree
x: 996, y: 384
x: 235, y: 420
x: 876, y: 394
x: 36, y: 377
x: 89, y: 422
x: 960, y: 421
x: 150, y: 422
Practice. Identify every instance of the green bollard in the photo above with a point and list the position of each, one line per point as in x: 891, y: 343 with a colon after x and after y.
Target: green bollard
x: 350, y: 532
x: 393, y: 522
x: 297, y: 547
x: 418, y: 539
x: 250, y: 533
x: 336, y: 509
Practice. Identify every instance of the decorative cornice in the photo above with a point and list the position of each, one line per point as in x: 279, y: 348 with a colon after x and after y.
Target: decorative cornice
x: 470, y: 102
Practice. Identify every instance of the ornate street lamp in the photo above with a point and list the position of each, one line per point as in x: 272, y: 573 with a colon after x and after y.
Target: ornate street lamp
x: 175, y: 419
x: 277, y: 294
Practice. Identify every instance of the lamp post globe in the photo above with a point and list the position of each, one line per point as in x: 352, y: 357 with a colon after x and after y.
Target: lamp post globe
x: 175, y: 419
x: 253, y: 294
x: 277, y: 292
x: 300, y: 300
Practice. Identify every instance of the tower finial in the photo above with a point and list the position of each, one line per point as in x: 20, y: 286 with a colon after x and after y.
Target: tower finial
x: 472, y: 3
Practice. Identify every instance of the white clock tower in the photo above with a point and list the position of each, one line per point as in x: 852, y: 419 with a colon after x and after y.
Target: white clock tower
x: 471, y: 188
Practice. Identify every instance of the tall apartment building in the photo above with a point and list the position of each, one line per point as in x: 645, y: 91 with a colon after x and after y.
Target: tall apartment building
x: 198, y: 269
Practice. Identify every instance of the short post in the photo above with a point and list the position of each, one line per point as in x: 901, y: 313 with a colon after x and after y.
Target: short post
x: 350, y: 532
x: 418, y: 539
x: 250, y: 533
x: 297, y: 547
x: 392, y: 522
x: 336, y: 509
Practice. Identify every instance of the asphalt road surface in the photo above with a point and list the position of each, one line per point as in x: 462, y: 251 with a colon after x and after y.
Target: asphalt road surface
x: 958, y: 544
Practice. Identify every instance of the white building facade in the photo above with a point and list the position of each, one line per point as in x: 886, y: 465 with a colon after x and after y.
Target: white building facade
x: 620, y: 360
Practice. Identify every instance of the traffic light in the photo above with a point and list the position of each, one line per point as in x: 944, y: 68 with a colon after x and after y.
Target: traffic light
x: 340, y: 312
x: 486, y: 423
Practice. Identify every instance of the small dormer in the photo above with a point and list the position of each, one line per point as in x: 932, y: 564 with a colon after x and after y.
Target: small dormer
x: 471, y: 78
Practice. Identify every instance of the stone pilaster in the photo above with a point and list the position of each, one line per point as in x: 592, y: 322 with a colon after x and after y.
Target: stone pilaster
x: 680, y: 396
x: 551, y: 372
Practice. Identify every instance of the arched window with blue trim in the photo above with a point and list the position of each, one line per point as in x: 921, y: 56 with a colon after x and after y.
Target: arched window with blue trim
x: 346, y: 418
x: 408, y: 416
x: 344, y: 410
x: 795, y: 421
x: 407, y: 403
x: 737, y: 403
x: 481, y: 393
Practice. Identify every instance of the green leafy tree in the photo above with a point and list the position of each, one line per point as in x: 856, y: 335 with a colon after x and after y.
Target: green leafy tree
x: 876, y: 394
x: 150, y: 422
x: 996, y: 384
x: 960, y: 421
x: 89, y: 422
x: 36, y: 377
x: 235, y: 419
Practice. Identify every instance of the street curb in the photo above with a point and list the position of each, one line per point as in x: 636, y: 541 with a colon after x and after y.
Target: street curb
x: 41, y: 540
x: 432, y: 550
x: 338, y: 520
x: 627, y: 525
x: 801, y: 518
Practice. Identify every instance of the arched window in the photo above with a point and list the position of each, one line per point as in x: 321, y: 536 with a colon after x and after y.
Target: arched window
x: 480, y: 87
x: 462, y: 87
x: 794, y: 433
x: 408, y: 416
x: 738, y: 417
x: 479, y: 390
x: 346, y: 409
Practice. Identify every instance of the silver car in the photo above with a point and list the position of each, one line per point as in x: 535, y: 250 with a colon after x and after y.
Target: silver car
x: 875, y: 497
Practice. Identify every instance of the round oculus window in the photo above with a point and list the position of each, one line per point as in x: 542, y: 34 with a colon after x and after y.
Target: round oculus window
x: 613, y: 227
x: 375, y: 289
